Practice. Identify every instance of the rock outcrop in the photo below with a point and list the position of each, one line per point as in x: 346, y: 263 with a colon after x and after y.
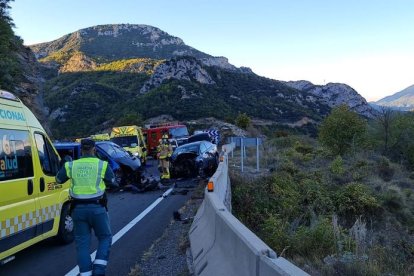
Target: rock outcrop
x: 180, y: 69
x: 78, y: 62
x: 335, y: 94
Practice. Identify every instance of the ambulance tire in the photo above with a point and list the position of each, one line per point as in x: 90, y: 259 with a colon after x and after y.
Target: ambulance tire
x: 65, y: 234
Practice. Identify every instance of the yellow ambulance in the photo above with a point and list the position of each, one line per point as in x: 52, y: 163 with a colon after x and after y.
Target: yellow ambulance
x: 131, y: 139
x: 33, y: 206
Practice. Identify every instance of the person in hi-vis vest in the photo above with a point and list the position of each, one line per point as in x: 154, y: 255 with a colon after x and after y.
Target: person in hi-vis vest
x: 89, y: 176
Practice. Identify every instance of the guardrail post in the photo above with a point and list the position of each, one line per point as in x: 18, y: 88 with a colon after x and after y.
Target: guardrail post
x: 233, y: 149
x: 257, y: 154
x: 241, y: 154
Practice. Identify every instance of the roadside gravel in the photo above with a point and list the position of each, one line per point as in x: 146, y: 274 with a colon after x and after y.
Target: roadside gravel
x: 170, y: 254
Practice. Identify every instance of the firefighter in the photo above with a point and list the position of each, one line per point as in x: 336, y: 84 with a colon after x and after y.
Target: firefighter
x: 164, y: 153
x: 158, y: 155
x: 89, y: 176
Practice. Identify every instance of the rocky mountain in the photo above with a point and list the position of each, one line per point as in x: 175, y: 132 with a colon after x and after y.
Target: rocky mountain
x: 121, y: 41
x: 112, y: 74
x: 30, y: 84
x: 334, y: 94
x: 403, y: 100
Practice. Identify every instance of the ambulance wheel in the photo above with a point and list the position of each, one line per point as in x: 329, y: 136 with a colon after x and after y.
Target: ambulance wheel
x: 65, y: 234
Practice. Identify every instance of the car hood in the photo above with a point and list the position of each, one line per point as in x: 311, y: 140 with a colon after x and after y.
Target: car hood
x: 132, y: 162
x: 182, y: 155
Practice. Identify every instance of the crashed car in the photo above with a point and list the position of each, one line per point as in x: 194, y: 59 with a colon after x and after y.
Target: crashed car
x: 204, y: 136
x: 199, y: 158
x: 127, y: 168
x: 129, y: 171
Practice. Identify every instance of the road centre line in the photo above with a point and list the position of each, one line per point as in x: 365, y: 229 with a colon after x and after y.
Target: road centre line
x: 126, y: 228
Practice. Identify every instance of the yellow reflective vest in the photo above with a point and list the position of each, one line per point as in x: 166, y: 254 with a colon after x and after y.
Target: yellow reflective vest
x: 87, y: 176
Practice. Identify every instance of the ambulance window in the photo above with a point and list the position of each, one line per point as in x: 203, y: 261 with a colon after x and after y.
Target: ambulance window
x: 47, y: 156
x: 15, y: 154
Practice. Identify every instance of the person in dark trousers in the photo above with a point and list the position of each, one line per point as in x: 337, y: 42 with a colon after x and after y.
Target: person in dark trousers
x: 89, y: 176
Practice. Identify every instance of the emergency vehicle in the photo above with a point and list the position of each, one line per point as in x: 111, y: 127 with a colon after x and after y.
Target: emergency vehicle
x: 33, y: 206
x: 100, y: 137
x: 177, y: 133
x: 131, y: 139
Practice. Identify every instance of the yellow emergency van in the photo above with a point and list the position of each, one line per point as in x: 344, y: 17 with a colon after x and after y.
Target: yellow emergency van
x: 100, y: 137
x: 33, y: 206
x: 131, y: 139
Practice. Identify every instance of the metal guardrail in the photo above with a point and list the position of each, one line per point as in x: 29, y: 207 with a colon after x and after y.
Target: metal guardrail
x: 221, y: 244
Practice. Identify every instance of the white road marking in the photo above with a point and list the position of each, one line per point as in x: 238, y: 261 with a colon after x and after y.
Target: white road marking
x: 123, y: 231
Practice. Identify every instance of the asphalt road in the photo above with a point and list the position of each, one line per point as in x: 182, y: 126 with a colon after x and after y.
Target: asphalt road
x: 50, y: 258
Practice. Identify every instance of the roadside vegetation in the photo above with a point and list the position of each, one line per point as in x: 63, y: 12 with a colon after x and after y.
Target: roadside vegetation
x: 10, y: 69
x: 341, y: 204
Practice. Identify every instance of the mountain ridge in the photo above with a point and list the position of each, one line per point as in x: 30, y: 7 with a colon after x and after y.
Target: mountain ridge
x: 139, y: 71
x: 135, y: 41
x: 402, y: 100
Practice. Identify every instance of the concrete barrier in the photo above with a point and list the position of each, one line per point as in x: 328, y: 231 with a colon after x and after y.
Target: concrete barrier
x: 222, y: 245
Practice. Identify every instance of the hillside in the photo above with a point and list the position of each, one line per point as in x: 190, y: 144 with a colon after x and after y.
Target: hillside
x: 403, y: 100
x: 19, y: 70
x: 103, y: 98
x: 108, y: 74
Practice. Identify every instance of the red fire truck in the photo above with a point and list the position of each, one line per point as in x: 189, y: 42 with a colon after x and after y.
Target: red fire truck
x: 177, y: 133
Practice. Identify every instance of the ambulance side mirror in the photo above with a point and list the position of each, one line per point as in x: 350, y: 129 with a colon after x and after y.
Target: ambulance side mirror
x: 65, y: 159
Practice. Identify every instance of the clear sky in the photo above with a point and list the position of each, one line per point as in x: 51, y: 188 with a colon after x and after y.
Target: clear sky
x: 367, y: 44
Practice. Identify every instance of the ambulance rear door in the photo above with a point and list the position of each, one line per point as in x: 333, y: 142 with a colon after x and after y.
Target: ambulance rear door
x: 50, y: 199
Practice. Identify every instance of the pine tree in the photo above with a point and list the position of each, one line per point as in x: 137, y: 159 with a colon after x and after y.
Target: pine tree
x: 9, y: 65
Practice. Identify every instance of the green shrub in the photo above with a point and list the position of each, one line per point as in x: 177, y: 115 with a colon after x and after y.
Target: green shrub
x: 242, y: 120
x: 360, y: 170
x: 355, y: 200
x: 337, y: 166
x: 284, y: 195
x: 385, y: 171
x: 308, y: 157
x: 244, y: 201
x: 281, y: 133
x: 283, y: 142
x: 289, y: 166
x: 342, y: 130
x: 303, y: 148
x: 392, y: 201
x: 275, y: 233
x: 314, y: 242
x: 315, y: 199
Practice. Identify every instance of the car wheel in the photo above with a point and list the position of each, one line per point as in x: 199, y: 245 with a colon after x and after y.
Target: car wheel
x: 190, y: 168
x: 65, y: 234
